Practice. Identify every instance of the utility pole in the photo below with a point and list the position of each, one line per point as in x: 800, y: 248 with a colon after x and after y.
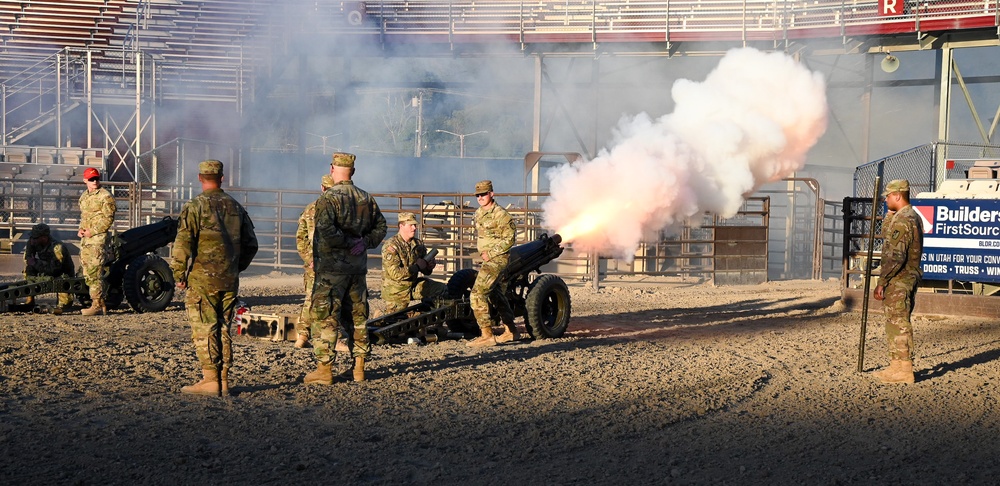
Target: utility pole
x: 418, y: 103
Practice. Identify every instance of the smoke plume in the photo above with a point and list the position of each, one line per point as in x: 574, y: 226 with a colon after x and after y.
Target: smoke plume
x: 750, y: 122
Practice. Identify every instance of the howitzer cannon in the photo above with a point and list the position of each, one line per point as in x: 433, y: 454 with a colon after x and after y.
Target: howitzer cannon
x: 544, y: 302
x: 134, y: 274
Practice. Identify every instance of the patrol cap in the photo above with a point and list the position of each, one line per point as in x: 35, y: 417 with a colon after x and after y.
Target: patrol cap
x: 343, y: 159
x: 484, y: 187
x: 407, y: 218
x: 897, y: 185
x: 327, y: 181
x: 91, y: 173
x: 40, y: 229
x: 209, y: 167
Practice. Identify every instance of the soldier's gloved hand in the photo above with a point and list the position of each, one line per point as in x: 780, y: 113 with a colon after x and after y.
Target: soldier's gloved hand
x: 432, y: 263
x: 358, y: 247
x: 422, y: 264
x: 31, y: 261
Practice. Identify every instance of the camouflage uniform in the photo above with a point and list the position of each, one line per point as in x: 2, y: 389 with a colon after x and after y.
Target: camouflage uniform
x: 215, y: 241
x: 401, y: 282
x: 496, y: 231
x: 97, y: 213
x: 51, y: 260
x: 303, y: 243
x: 344, y: 213
x: 900, y: 274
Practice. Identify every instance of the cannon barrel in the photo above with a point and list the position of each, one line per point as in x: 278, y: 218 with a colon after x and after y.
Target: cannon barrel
x: 144, y: 239
x: 529, y: 257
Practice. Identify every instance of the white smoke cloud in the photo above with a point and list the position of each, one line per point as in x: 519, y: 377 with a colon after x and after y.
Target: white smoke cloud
x: 750, y: 122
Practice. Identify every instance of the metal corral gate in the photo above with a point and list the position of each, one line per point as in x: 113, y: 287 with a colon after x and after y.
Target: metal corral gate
x: 728, y: 251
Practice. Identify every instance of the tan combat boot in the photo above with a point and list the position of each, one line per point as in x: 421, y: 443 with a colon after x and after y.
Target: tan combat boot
x: 322, y: 376
x: 359, y: 368
x: 509, y: 334
x: 899, y: 371
x: 96, y: 307
x: 302, y: 341
x: 208, y: 386
x: 224, y: 382
x: 485, y: 340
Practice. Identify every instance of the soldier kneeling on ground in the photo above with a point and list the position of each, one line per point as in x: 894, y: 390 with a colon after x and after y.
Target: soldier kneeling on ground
x: 46, y: 258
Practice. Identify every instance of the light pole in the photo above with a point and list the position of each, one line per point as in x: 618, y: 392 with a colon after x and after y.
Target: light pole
x: 461, y: 140
x: 324, y: 137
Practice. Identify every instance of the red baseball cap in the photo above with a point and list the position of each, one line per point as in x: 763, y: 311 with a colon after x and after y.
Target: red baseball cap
x: 91, y: 173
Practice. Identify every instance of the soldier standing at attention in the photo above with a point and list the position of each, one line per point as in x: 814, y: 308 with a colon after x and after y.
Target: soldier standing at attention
x: 348, y: 223
x: 495, y: 233
x: 902, y: 246
x: 97, y: 216
x: 46, y: 258
x: 215, y: 242
x: 303, y: 243
x: 402, y: 263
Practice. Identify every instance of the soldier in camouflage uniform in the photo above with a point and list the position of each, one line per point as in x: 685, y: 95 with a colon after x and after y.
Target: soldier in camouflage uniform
x: 402, y: 263
x: 495, y: 231
x: 215, y: 242
x: 901, y: 249
x: 348, y: 223
x: 46, y: 258
x: 97, y: 216
x: 303, y: 243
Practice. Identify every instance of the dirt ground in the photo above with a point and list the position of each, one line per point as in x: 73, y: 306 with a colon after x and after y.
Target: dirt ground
x: 655, y: 382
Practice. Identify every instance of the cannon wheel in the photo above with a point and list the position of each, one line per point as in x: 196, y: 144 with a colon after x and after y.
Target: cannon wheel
x: 460, y: 284
x: 548, y: 307
x: 459, y: 287
x: 148, y: 284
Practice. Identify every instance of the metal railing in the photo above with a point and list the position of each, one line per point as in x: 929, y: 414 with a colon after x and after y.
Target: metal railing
x: 447, y: 224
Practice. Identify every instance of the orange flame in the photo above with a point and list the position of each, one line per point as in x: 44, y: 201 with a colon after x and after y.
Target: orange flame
x: 586, y: 223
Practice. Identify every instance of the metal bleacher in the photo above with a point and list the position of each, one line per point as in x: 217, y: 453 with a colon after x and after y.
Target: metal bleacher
x: 211, y: 40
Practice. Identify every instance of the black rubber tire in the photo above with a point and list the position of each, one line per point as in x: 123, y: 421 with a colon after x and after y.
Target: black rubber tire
x: 460, y: 284
x: 459, y: 287
x: 148, y: 284
x: 548, y: 307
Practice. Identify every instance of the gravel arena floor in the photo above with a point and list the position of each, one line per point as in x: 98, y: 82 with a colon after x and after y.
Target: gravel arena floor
x: 656, y: 382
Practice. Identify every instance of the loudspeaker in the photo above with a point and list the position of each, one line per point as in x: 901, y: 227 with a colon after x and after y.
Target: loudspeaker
x: 890, y: 63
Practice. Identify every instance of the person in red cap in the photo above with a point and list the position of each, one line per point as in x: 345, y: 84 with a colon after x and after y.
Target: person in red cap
x: 97, y: 217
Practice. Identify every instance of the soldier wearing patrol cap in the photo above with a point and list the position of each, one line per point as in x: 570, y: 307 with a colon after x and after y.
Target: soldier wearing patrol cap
x: 215, y: 242
x: 495, y: 233
x: 403, y: 262
x: 902, y: 246
x: 303, y: 243
x: 97, y: 217
x: 44, y: 258
x: 348, y: 223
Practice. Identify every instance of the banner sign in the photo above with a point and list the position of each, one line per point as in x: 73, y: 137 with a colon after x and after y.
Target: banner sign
x: 961, y: 239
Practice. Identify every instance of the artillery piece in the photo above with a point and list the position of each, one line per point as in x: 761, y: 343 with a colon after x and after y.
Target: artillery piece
x: 544, y: 302
x: 135, y: 273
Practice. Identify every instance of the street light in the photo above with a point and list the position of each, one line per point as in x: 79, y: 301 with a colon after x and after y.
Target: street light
x: 461, y: 140
x: 324, y: 137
